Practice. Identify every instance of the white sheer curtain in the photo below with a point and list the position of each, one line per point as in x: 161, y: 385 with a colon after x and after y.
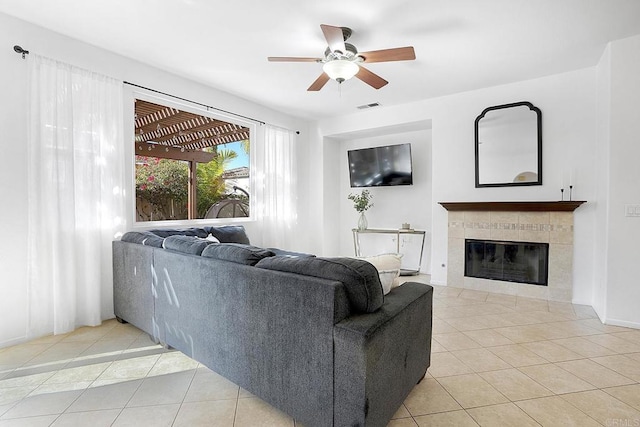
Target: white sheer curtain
x: 279, y: 197
x: 75, y: 185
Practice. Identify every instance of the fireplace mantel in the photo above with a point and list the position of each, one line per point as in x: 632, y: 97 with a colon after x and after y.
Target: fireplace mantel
x: 537, y: 206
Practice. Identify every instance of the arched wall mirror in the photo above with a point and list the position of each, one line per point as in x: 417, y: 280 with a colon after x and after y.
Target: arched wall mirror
x: 508, y: 141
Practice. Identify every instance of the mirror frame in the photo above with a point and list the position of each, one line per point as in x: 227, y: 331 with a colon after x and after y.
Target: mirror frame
x: 539, y: 139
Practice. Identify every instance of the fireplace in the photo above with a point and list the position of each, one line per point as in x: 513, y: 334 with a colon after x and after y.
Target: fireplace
x: 519, y: 262
x: 503, y: 226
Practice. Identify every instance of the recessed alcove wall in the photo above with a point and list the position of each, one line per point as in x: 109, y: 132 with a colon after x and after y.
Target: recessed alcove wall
x: 552, y: 227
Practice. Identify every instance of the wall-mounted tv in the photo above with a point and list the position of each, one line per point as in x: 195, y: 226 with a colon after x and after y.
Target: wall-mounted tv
x: 380, y: 166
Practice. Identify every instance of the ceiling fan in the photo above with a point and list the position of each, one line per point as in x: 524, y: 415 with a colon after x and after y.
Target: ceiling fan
x: 342, y: 60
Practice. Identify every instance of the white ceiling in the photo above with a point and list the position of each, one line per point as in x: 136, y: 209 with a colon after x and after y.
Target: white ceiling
x: 460, y: 44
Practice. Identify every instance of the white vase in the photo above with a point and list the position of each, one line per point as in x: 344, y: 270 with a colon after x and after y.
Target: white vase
x: 362, y: 222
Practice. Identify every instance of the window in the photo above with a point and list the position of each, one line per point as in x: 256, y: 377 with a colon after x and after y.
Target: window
x: 189, y: 166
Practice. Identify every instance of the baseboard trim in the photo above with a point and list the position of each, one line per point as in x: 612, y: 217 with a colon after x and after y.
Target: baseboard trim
x: 623, y: 323
x: 13, y: 341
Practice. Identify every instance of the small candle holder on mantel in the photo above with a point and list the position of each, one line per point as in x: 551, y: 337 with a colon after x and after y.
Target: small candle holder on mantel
x: 570, y: 192
x: 562, y: 194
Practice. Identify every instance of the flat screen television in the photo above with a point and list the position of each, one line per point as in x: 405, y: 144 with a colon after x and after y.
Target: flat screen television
x: 380, y: 166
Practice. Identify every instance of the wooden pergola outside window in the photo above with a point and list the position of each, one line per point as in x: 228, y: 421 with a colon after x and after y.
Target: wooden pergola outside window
x: 168, y: 133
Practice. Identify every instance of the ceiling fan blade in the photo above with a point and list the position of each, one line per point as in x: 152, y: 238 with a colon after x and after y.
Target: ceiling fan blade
x: 387, y: 55
x: 292, y: 59
x: 319, y: 83
x: 370, y: 78
x: 334, y: 36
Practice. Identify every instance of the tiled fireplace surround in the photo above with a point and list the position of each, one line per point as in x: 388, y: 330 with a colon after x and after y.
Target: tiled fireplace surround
x: 553, y: 227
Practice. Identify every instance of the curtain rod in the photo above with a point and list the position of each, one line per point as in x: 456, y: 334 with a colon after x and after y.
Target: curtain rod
x: 195, y: 102
x: 24, y: 52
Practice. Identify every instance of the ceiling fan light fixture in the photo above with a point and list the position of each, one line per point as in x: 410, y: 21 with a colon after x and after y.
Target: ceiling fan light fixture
x: 340, y: 69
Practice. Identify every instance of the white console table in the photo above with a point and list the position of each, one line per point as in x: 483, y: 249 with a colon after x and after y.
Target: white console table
x: 400, y: 236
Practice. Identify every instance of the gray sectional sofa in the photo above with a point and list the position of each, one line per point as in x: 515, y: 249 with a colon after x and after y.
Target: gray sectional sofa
x: 314, y: 337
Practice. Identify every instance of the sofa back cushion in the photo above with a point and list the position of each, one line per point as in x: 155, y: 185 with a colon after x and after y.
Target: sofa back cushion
x: 194, y: 231
x: 229, y: 234
x: 186, y: 244
x: 360, y: 278
x: 236, y: 252
x: 143, y: 238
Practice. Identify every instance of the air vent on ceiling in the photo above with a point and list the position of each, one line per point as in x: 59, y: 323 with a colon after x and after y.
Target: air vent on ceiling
x: 365, y: 106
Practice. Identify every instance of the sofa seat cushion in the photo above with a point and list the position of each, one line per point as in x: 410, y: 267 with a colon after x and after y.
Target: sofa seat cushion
x: 194, y: 231
x: 237, y: 252
x: 186, y: 244
x: 143, y: 238
x: 360, y: 278
x: 229, y: 234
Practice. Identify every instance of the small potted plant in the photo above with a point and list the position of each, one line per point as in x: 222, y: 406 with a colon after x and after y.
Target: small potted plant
x: 362, y: 202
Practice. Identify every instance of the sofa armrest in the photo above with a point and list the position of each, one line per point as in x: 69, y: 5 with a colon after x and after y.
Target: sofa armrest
x: 379, y: 357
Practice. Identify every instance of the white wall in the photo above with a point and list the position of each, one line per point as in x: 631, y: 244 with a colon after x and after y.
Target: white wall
x: 622, y: 284
x: 13, y: 125
x: 393, y: 206
x: 568, y: 104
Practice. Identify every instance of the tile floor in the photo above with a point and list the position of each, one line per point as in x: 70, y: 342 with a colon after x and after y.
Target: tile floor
x: 497, y: 360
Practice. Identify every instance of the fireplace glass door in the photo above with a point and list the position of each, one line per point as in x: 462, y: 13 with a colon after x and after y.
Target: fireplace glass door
x: 520, y: 262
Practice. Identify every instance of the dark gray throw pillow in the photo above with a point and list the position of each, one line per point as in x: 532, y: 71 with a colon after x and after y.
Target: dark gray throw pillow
x: 229, y: 234
x: 360, y: 278
x: 194, y: 231
x: 236, y: 252
x: 186, y: 244
x: 143, y: 238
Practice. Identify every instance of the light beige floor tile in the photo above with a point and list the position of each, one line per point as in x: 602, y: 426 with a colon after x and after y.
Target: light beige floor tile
x: 474, y: 295
x: 42, y: 404
x: 446, y: 419
x: 156, y: 416
x: 429, y: 397
x: 402, y: 412
x: 584, y: 347
x: 87, y: 333
x: 211, y: 413
x: 401, y: 422
x: 629, y: 394
x: 106, y: 349
x: 508, y: 300
x: 436, y: 347
x: 584, y: 312
x: 171, y: 362
x: 634, y: 356
x: 506, y: 414
x: 15, y: 394
x: 134, y: 368
x: 123, y: 331
x: 629, y: 335
x: 531, y: 304
x: 442, y: 327
x: 62, y: 351
x: 18, y: 355
x: 41, y: 421
x: 254, y: 411
x: 80, y: 374
x: 598, y: 325
x: 488, y: 338
x: 455, y: 341
x: 603, y: 407
x: 91, y: 418
x: 26, y: 380
x: 480, y: 360
x: 575, y: 328
x: 615, y: 343
x: 114, y: 396
x: 208, y: 385
x: 162, y: 389
x: 446, y: 364
x: 516, y: 355
x: 551, y: 351
x: 622, y: 364
x: 471, y: 323
x: 521, y: 334
x: 555, y: 411
x: 555, y: 379
x: 515, y: 385
x: 595, y: 373
x: 471, y: 391
x: 57, y: 388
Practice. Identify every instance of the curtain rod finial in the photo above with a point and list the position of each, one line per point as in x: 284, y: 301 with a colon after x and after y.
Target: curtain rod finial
x: 19, y: 49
